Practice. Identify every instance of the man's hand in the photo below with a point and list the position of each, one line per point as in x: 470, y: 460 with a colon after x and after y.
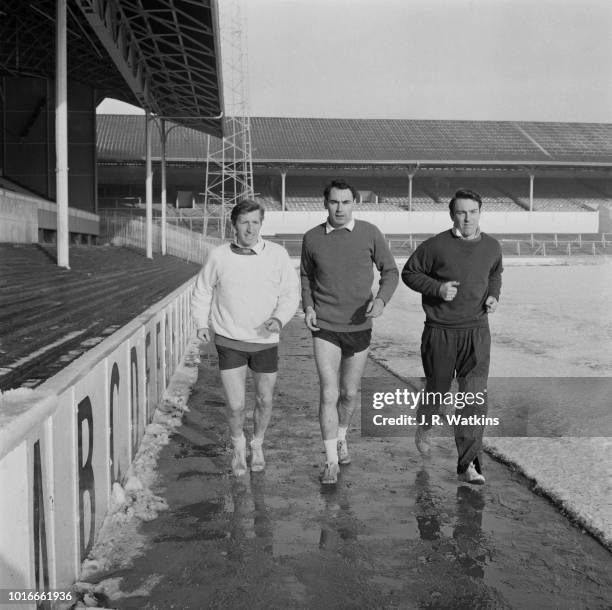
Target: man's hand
x: 310, y: 317
x: 491, y: 304
x: 204, y: 335
x: 375, y: 308
x: 273, y: 325
x: 448, y: 290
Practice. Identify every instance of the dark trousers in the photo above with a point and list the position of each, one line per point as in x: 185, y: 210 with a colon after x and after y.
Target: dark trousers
x: 465, y: 353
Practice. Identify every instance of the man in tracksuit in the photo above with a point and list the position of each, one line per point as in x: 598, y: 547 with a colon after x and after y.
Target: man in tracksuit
x: 458, y: 272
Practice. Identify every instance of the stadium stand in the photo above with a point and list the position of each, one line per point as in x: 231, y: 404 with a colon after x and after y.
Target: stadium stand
x: 496, y: 200
x: 570, y: 160
x: 51, y: 315
x: 561, y: 195
x: 599, y: 186
x: 269, y: 202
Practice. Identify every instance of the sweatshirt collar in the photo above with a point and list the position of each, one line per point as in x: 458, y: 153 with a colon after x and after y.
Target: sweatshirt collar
x: 349, y: 226
x: 257, y: 248
x: 457, y: 233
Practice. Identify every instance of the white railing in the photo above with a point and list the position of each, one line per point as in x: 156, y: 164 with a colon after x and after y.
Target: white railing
x: 180, y: 242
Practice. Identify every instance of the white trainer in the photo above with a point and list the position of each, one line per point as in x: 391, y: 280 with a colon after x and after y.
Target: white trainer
x: 258, y: 462
x: 471, y: 475
x: 343, y: 453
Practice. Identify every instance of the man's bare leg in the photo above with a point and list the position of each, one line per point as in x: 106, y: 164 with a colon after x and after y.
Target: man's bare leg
x: 234, y: 383
x: 327, y: 358
x: 264, y: 392
x: 351, y: 371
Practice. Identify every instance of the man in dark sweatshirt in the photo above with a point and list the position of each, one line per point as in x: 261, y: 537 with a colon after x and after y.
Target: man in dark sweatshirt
x: 337, y: 278
x: 458, y: 272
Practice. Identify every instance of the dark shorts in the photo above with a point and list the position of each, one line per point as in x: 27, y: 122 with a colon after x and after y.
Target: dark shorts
x: 262, y: 361
x: 349, y: 342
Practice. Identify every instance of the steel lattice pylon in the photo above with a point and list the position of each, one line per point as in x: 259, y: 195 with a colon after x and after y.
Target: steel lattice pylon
x: 229, y: 167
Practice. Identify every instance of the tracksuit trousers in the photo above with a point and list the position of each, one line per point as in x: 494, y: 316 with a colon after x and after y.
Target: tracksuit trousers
x: 464, y: 354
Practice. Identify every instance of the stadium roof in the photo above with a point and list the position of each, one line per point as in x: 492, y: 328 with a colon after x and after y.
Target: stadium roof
x: 301, y: 141
x: 158, y: 54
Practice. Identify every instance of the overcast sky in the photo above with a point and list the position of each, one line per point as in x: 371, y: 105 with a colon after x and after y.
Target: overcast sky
x: 530, y: 60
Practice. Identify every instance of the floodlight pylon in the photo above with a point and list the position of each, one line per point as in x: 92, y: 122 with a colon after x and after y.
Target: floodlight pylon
x: 229, y: 166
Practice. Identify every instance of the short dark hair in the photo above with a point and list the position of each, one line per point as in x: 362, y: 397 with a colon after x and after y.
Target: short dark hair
x: 341, y: 184
x: 464, y: 194
x: 244, y: 207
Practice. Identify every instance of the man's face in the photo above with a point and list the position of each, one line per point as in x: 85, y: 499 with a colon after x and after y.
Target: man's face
x: 466, y: 217
x: 339, y: 207
x: 247, y: 228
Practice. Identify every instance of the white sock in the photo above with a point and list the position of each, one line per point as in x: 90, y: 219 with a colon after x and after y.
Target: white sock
x: 331, y: 450
x: 342, y: 430
x: 239, y: 442
x: 256, y: 441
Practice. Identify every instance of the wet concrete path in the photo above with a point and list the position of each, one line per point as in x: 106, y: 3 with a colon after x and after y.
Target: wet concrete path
x: 396, y: 532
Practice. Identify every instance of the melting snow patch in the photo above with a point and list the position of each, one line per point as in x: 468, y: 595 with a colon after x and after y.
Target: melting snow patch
x: 119, y: 540
x: 109, y: 590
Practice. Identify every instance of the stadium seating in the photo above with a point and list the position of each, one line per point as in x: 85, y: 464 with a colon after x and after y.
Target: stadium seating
x: 303, y: 193
x: 557, y: 194
x: 390, y: 193
x: 63, y: 313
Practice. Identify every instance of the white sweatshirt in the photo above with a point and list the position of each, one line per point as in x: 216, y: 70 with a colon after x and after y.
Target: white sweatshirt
x: 241, y: 292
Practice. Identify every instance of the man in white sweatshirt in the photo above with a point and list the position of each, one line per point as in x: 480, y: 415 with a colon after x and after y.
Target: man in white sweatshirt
x: 246, y: 292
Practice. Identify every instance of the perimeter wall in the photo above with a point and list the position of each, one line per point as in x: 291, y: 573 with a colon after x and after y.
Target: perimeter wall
x: 393, y: 223
x: 63, y: 445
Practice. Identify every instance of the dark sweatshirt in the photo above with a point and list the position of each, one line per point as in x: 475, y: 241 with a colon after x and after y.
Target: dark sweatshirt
x: 476, y: 264
x: 337, y: 274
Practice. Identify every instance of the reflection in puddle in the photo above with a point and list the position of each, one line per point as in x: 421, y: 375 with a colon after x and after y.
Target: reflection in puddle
x: 249, y: 530
x: 467, y: 548
x: 338, y: 521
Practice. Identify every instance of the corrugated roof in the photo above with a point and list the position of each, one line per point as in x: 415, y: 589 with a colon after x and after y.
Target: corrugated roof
x: 309, y: 140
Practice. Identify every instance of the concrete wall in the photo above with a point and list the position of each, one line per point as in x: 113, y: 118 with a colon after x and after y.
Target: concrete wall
x: 605, y: 219
x: 79, y: 221
x: 434, y: 222
x: 22, y: 215
x: 63, y: 445
x: 18, y: 218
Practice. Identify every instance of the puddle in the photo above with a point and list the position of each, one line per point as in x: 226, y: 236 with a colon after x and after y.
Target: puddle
x: 207, y: 450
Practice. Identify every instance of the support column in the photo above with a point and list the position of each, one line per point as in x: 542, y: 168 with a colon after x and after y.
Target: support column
x: 531, y: 180
x: 205, y: 222
x: 162, y: 133
x: 149, y: 187
x: 61, y: 136
x: 410, y: 176
x: 223, y: 213
x: 283, y: 202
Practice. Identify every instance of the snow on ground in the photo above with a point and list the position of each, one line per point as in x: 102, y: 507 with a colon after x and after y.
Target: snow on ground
x: 118, y: 541
x: 552, y: 321
x: 575, y: 473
